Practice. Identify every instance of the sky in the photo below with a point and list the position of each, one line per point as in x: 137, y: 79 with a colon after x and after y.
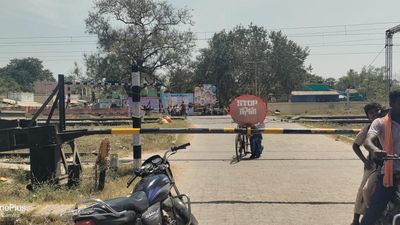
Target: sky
x: 340, y: 34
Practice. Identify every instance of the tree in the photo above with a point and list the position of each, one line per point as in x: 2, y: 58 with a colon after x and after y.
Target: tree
x: 287, y: 62
x: 370, y: 82
x: 181, y: 80
x: 312, y: 79
x: 251, y: 60
x: 75, y: 74
x: 8, y: 84
x: 352, y: 80
x: 147, y: 32
x: 331, y: 82
x: 25, y: 72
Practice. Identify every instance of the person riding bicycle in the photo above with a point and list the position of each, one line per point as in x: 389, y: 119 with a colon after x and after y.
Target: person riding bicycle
x: 387, y: 131
x: 255, y: 142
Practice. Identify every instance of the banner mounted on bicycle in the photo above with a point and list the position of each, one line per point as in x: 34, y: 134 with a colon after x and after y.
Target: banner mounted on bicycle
x: 248, y: 110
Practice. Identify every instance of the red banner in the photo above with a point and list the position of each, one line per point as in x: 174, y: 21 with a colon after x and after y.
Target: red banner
x: 248, y: 110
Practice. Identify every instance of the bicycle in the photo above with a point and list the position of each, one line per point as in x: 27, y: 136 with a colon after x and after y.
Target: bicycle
x: 242, y: 143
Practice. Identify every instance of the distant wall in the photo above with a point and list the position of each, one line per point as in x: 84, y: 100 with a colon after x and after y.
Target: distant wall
x: 21, y: 96
x: 86, y: 111
x: 294, y: 108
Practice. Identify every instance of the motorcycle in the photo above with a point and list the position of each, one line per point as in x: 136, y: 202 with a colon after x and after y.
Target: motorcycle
x: 151, y: 202
x: 391, y: 216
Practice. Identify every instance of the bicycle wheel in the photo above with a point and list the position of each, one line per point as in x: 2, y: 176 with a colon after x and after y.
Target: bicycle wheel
x: 237, y: 147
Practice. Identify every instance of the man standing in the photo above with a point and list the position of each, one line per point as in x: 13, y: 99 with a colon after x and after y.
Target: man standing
x: 387, y: 131
x: 255, y: 143
x: 183, y: 109
x: 373, y: 111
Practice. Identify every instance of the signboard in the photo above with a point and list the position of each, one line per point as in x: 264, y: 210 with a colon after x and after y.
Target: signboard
x: 248, y: 110
x: 205, y: 95
x: 176, y: 99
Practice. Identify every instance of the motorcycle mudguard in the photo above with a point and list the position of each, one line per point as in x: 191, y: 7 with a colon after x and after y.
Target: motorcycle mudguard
x: 152, y: 216
x: 182, y: 211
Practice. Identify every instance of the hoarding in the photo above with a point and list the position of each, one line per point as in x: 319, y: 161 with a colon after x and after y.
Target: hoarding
x: 205, y: 95
x: 176, y: 99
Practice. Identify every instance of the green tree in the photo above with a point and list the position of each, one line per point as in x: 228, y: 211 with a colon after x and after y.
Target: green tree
x: 76, y: 74
x: 251, y: 60
x: 370, y: 82
x: 350, y: 81
x: 25, y: 72
x: 287, y: 62
x: 8, y: 84
x: 149, y: 32
x: 312, y: 79
x: 331, y: 82
x: 181, y: 80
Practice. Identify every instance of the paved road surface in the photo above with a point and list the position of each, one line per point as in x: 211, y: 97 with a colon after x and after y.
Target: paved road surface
x: 300, y: 179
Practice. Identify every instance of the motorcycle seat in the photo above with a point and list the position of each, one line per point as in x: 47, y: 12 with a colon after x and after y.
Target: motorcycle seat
x: 137, y: 202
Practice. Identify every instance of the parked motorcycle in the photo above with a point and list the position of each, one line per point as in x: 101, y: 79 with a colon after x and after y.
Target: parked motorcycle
x: 152, y: 201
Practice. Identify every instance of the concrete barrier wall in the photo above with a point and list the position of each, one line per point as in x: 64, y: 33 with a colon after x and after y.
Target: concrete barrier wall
x: 86, y: 111
x: 294, y: 108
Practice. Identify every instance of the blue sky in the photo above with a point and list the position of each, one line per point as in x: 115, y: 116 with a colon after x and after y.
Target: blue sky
x: 340, y: 34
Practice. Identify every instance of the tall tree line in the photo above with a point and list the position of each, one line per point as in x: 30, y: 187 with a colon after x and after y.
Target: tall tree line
x: 246, y: 60
x: 20, y: 74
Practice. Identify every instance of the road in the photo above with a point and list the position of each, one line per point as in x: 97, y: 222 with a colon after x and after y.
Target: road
x: 300, y: 179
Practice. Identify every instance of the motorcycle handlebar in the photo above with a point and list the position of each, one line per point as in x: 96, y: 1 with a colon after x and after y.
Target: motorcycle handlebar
x: 180, y: 147
x: 140, y: 173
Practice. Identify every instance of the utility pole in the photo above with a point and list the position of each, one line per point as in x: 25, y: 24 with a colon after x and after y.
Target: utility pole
x: 136, y: 117
x: 389, y: 57
x: 61, y: 106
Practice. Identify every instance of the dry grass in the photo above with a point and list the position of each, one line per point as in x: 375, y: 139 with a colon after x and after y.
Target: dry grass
x: 16, y: 192
x: 353, y: 110
x: 122, y: 144
x: 348, y: 138
x: 29, y: 219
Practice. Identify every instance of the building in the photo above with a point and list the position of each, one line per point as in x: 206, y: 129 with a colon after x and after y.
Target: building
x: 314, y: 96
